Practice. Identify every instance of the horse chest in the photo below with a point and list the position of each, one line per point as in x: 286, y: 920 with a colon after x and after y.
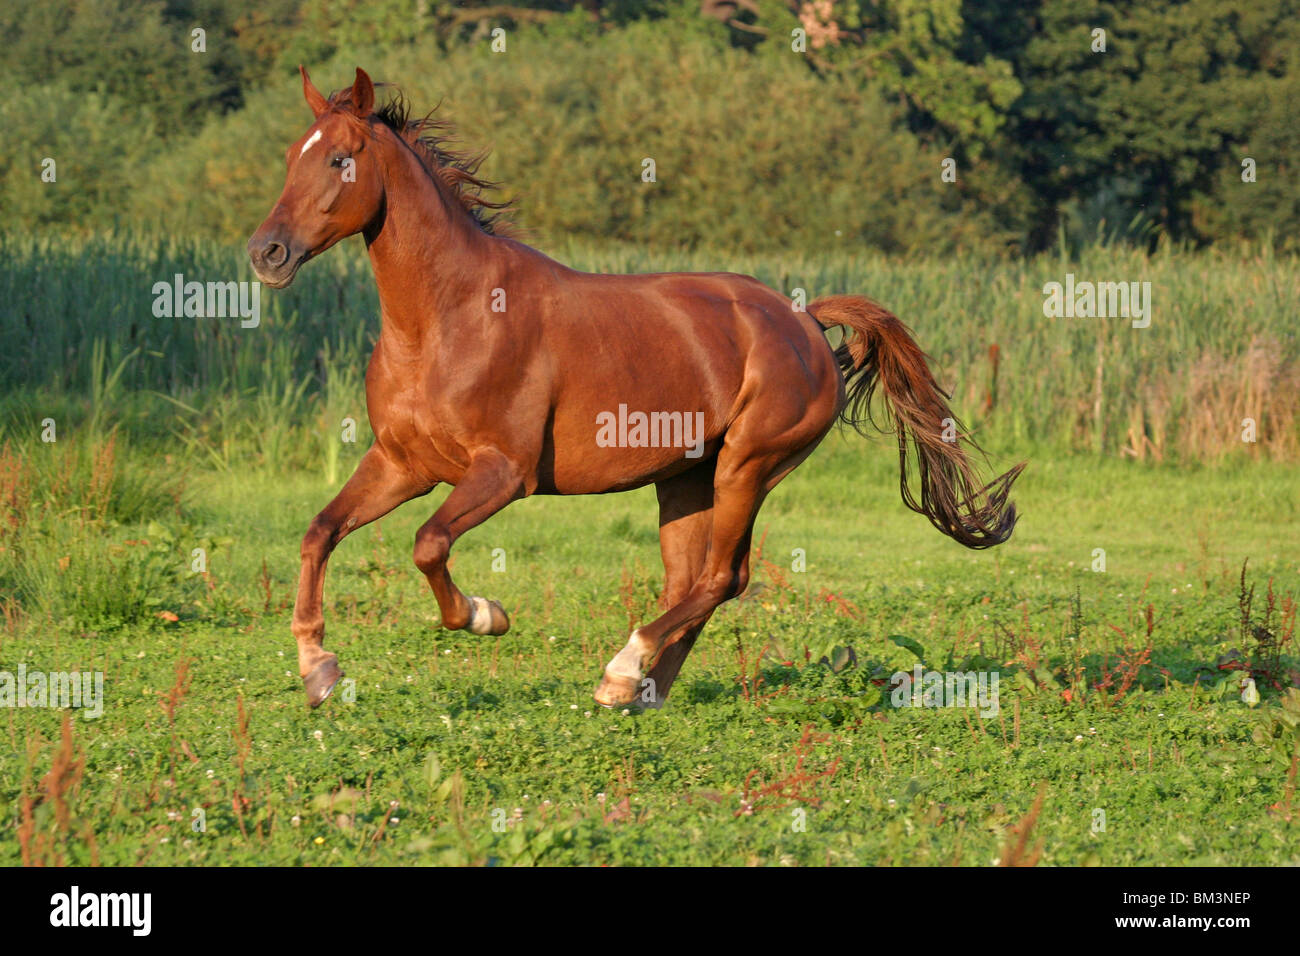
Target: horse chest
x: 410, y: 431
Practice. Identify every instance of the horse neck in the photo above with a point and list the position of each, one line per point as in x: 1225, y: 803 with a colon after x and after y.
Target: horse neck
x: 428, y: 254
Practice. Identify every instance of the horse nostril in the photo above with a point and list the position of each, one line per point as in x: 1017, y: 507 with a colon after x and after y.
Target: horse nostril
x: 275, y: 254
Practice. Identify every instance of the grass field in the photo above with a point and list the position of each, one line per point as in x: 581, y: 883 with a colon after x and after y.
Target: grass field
x: 1119, y: 703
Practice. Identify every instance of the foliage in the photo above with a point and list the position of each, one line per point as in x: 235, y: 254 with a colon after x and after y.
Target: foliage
x: 1220, y: 349
x: 456, y: 749
x: 842, y: 139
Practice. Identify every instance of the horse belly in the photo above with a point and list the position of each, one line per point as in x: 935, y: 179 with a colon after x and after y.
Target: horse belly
x: 600, y: 474
x: 625, y: 447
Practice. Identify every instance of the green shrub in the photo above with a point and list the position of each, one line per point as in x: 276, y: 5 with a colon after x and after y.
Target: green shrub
x: 750, y: 153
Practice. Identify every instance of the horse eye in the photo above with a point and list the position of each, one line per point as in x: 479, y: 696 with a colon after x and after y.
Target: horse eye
x: 337, y: 160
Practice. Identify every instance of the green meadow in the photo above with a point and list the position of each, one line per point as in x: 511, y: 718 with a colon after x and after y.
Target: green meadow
x: 1140, y: 621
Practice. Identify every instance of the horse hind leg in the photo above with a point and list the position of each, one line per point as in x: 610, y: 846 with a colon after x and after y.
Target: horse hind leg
x: 658, y: 681
x: 685, y: 520
x: 749, y: 465
x: 723, y: 575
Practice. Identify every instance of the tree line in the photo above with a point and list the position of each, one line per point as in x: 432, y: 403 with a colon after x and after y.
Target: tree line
x: 900, y: 126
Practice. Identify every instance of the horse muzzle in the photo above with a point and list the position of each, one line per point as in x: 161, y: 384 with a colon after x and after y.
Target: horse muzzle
x: 275, y: 261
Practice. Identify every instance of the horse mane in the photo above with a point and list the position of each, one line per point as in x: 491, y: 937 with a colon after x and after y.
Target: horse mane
x: 432, y: 139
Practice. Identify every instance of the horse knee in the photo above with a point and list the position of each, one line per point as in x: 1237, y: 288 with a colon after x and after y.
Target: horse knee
x: 432, y: 546
x: 674, y: 593
x: 739, y: 581
x: 725, y: 585
x: 318, y: 539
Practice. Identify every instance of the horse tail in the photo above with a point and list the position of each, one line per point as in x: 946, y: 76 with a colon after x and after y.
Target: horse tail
x: 879, y: 351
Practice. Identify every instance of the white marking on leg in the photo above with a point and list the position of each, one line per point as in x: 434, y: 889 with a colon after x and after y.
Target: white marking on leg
x: 315, y: 138
x: 627, y: 662
x: 480, y: 621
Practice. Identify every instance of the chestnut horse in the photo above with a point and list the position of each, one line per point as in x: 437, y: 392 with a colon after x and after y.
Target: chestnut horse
x: 501, y: 372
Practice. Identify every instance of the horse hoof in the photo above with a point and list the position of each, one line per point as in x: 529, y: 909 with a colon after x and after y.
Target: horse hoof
x: 487, y: 617
x: 320, y: 682
x: 617, y: 690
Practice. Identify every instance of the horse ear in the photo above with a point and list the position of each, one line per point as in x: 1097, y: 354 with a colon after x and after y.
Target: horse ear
x: 317, y: 102
x: 363, y: 93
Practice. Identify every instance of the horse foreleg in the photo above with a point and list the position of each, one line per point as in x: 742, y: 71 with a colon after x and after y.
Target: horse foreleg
x: 489, y: 484
x: 375, y: 488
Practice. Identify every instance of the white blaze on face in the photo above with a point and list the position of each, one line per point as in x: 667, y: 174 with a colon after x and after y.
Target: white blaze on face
x: 315, y: 138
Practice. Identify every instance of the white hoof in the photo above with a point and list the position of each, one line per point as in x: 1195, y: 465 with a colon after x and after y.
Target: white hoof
x: 480, y: 616
x: 627, y: 662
